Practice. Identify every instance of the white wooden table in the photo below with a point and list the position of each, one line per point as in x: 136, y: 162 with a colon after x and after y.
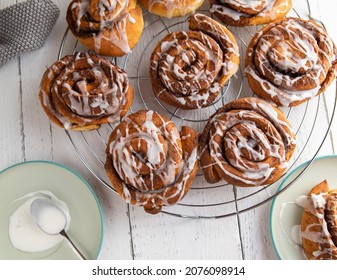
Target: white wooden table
x: 26, y: 134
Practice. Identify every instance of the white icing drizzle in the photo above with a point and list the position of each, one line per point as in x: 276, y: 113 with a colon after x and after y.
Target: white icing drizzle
x: 272, y: 115
x: 183, y: 6
x: 46, y: 102
x: 254, y: 5
x: 157, y: 172
x: 98, y: 91
x: 247, y: 148
x: 194, y: 83
x: 300, y: 48
x: 301, y: 200
x: 229, y: 48
x: 118, y: 38
x: 319, y: 232
x: 103, y: 20
x: 82, y: 8
x: 189, y: 81
x: 192, y: 65
x: 264, y: 8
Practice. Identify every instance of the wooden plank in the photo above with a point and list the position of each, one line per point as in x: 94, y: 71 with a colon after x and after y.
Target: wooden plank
x: 45, y: 141
x: 11, y: 132
x: 166, y: 237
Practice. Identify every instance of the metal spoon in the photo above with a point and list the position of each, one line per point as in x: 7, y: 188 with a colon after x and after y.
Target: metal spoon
x: 40, y: 208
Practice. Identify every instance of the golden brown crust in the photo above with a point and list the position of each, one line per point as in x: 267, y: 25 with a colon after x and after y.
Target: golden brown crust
x: 290, y: 61
x: 318, y: 224
x: 247, y: 143
x: 108, y: 28
x: 239, y: 13
x: 82, y: 91
x: 188, y: 69
x: 149, y: 163
x: 331, y: 214
x: 171, y: 8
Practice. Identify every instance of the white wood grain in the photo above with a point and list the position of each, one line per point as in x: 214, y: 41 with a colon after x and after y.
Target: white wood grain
x: 28, y: 135
x: 323, y: 12
x: 11, y: 136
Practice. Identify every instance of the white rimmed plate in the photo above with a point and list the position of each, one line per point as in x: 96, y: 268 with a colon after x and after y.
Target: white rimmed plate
x: 285, y: 214
x: 86, y: 227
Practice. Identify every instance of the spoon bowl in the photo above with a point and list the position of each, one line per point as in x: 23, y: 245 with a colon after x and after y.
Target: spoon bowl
x: 49, y: 217
x: 52, y: 220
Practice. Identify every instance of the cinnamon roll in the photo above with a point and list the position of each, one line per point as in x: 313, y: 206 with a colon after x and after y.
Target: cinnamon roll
x: 82, y: 91
x: 319, y: 223
x: 149, y: 163
x: 247, y: 143
x: 255, y: 12
x: 189, y: 68
x: 171, y: 8
x: 108, y: 27
x: 291, y: 61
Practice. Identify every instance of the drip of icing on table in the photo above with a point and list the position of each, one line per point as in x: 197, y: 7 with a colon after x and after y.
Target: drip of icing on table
x: 25, y: 235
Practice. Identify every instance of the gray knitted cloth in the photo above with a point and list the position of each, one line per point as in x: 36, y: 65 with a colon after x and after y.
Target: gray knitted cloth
x: 25, y: 27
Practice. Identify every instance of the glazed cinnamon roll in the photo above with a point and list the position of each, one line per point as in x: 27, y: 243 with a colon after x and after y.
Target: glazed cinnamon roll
x: 108, y: 27
x: 189, y: 68
x: 82, y: 91
x: 171, y: 8
x: 291, y: 61
x: 149, y: 162
x: 247, y: 143
x: 319, y: 223
x: 253, y: 12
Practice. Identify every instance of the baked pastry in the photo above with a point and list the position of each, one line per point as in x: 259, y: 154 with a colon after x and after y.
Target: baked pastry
x: 319, y: 223
x: 247, y: 143
x: 291, y: 61
x: 249, y: 12
x: 108, y: 27
x: 83, y: 91
x: 171, y: 8
x: 149, y: 163
x: 189, y: 68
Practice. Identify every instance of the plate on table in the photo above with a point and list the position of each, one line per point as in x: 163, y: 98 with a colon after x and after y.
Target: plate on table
x: 86, y: 226
x: 285, y: 213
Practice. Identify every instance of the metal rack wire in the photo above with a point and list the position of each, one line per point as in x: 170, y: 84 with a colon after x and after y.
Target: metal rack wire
x: 203, y: 200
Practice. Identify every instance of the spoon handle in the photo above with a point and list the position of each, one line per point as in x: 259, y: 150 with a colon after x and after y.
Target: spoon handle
x: 65, y: 235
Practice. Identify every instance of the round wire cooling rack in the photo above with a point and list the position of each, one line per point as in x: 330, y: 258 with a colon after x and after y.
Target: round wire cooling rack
x: 203, y: 200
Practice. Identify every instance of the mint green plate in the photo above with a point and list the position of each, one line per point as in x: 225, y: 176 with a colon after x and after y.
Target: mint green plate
x: 285, y: 213
x: 86, y: 227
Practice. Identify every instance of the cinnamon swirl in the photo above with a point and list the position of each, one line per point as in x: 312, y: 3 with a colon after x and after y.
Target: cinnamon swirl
x: 149, y: 163
x: 171, y: 8
x: 82, y: 91
x: 189, y: 68
x: 243, y: 12
x: 247, y: 143
x: 319, y: 223
x: 291, y: 61
x: 108, y: 27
